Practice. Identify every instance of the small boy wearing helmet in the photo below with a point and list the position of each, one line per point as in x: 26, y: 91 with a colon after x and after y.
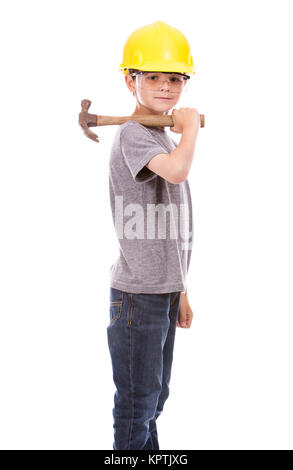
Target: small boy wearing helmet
x: 152, y: 213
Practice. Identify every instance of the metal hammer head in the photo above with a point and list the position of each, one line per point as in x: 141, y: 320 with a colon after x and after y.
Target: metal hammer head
x: 87, y: 120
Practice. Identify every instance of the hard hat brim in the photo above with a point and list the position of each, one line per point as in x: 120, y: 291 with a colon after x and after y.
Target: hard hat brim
x: 176, y: 67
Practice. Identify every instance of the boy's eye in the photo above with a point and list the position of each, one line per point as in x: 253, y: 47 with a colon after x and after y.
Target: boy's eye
x: 173, y: 79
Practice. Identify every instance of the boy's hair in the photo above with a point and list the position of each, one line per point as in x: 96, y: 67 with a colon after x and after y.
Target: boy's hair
x: 132, y: 71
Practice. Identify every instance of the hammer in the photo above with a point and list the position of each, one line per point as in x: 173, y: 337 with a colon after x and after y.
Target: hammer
x: 87, y: 120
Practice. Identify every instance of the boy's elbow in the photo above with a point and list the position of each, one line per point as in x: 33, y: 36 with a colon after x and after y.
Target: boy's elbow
x: 180, y: 175
x: 179, y: 171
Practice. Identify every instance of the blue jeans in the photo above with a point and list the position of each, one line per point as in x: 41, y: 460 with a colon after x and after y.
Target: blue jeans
x: 141, y: 336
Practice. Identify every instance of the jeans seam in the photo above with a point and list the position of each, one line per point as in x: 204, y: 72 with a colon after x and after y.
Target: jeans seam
x: 174, y: 299
x: 130, y: 373
x: 171, y: 304
x: 129, y: 316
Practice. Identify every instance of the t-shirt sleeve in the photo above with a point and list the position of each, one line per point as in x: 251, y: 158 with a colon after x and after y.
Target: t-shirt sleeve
x: 174, y: 142
x: 138, y: 147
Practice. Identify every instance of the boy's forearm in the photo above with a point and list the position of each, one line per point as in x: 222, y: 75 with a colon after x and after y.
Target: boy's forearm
x: 184, y: 152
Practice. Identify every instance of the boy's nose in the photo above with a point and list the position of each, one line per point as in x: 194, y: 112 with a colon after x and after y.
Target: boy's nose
x: 165, y: 82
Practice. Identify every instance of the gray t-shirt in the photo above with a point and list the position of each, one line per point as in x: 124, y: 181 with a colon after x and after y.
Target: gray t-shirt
x: 152, y: 217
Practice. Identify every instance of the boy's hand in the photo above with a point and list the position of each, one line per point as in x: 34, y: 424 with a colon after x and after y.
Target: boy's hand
x: 185, y: 118
x: 185, y: 314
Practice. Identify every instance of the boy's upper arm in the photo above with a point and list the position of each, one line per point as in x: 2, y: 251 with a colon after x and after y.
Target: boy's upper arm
x: 144, y: 156
x: 164, y: 166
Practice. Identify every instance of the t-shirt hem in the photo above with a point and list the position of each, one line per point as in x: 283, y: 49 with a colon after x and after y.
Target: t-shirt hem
x: 149, y: 173
x: 145, y: 289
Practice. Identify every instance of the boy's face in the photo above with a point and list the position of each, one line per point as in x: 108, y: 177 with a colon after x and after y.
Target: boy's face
x: 154, y: 101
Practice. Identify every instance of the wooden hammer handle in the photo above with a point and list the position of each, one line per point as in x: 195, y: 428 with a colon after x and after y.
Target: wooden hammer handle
x: 152, y: 120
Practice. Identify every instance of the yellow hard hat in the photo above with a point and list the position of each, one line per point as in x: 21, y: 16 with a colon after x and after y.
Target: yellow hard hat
x: 157, y: 47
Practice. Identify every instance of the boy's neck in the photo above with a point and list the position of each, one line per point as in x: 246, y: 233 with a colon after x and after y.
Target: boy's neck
x: 144, y: 112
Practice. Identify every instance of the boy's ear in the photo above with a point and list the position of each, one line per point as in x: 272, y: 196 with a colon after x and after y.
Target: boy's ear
x: 130, y: 84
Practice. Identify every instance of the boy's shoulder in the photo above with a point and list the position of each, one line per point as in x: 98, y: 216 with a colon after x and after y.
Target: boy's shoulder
x: 135, y: 132
x: 138, y: 131
x: 131, y: 124
x: 136, y: 127
x: 132, y: 130
x: 120, y: 128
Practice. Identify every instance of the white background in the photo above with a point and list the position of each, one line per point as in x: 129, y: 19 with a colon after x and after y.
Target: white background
x: 231, y: 385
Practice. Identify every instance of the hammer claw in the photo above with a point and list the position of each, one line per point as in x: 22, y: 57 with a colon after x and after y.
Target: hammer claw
x: 87, y: 120
x: 91, y: 135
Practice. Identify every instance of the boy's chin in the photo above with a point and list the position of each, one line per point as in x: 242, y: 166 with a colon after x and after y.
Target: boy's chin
x: 161, y: 106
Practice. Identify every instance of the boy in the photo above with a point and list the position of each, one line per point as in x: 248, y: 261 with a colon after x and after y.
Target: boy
x: 148, y: 178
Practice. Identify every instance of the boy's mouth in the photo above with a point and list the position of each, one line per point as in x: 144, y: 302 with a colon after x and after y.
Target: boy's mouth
x: 162, y: 98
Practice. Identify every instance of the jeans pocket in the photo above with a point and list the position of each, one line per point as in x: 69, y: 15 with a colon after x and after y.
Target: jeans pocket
x: 115, y: 311
x: 116, y: 301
